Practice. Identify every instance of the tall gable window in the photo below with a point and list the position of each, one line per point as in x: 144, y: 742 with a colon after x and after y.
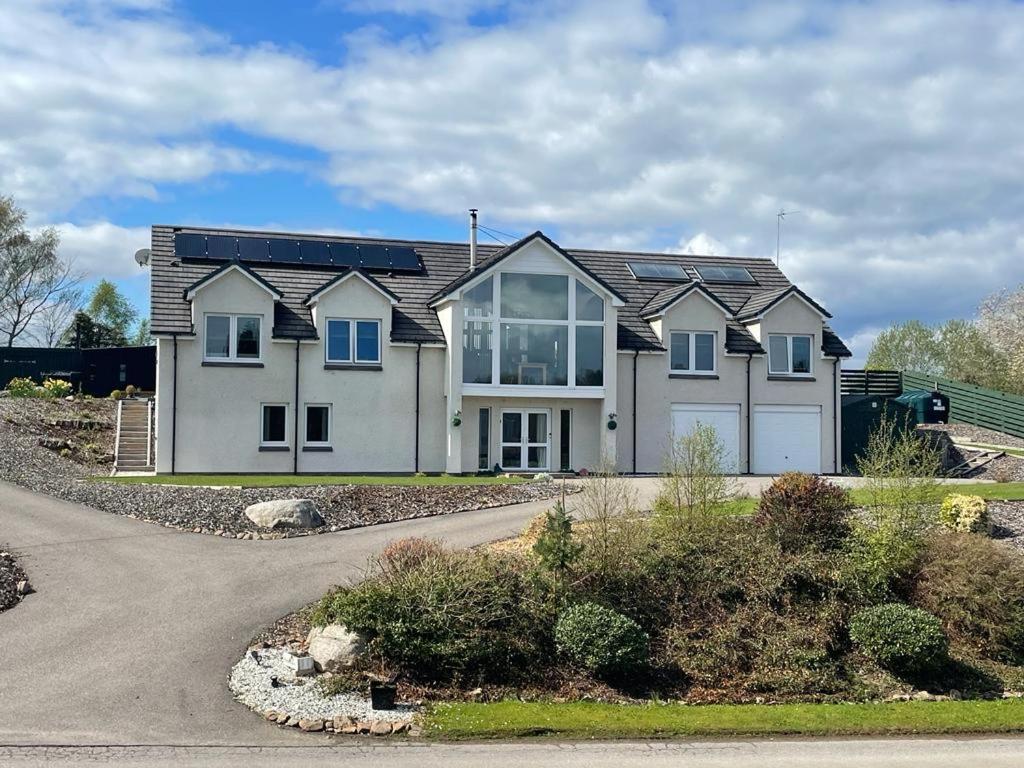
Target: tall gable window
x: 231, y: 338
x: 548, y: 330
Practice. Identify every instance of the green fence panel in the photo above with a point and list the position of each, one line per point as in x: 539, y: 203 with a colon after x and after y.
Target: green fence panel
x: 969, y: 404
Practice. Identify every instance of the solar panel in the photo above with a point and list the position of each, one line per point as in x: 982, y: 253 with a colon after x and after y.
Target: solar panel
x: 404, y: 258
x: 285, y: 251
x: 253, y: 249
x: 315, y: 252
x: 374, y: 257
x: 221, y: 247
x: 189, y: 246
x: 657, y: 270
x: 724, y: 274
x: 345, y: 254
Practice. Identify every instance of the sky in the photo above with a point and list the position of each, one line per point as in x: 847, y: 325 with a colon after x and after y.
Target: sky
x: 891, y: 128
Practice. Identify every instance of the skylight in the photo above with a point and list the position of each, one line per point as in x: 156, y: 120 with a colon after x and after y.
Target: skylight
x: 720, y: 274
x: 657, y: 270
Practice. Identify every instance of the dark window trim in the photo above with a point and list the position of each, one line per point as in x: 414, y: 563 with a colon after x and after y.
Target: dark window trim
x: 317, y: 449
x: 275, y: 448
x: 791, y: 377
x: 708, y: 376
x: 353, y: 367
x: 233, y: 364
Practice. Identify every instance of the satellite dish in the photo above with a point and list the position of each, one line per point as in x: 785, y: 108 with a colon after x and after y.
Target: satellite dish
x: 142, y: 257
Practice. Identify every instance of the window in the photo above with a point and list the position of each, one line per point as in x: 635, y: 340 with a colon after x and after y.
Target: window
x: 532, y: 330
x: 789, y: 355
x: 483, y: 462
x: 692, y: 351
x: 657, y: 270
x: 318, y: 425
x: 231, y: 338
x: 273, y: 426
x: 353, y: 341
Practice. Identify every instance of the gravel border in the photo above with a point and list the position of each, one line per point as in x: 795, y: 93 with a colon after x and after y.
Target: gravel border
x: 13, y: 581
x: 297, y: 702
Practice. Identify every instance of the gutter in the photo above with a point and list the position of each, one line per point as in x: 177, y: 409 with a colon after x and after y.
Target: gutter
x: 636, y: 355
x: 750, y: 462
x: 295, y: 447
x: 174, y: 403
x: 836, y: 400
x: 416, y: 449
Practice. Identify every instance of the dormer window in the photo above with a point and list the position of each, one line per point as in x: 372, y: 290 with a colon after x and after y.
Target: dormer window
x: 232, y: 338
x: 789, y: 355
x: 692, y: 352
x: 353, y: 341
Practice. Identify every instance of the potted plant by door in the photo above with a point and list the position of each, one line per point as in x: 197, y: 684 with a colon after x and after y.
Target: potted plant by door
x: 613, y: 420
x: 383, y: 693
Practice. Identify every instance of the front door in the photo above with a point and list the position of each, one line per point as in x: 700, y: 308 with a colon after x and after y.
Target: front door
x: 525, y: 439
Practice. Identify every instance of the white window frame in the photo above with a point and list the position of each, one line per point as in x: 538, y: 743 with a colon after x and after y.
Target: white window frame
x: 263, y: 416
x: 305, y: 426
x: 789, y: 352
x: 233, y: 338
x: 352, y: 325
x: 692, y: 349
x: 495, y: 320
x: 524, y: 443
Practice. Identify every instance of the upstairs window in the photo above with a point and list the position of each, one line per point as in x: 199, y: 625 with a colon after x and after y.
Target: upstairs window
x: 353, y: 341
x: 789, y: 355
x: 692, y: 351
x: 232, y: 338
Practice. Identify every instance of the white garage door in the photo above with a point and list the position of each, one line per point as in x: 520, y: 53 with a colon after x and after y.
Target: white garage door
x: 787, y: 438
x: 724, y: 418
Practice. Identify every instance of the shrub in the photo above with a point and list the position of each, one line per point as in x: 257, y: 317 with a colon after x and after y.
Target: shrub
x: 130, y: 390
x: 964, y: 514
x: 976, y: 587
x: 696, y: 479
x: 452, y: 616
x: 554, y: 546
x: 22, y: 387
x: 600, y: 640
x: 412, y: 552
x: 898, y: 637
x: 116, y: 394
x: 57, y: 388
x: 805, y: 511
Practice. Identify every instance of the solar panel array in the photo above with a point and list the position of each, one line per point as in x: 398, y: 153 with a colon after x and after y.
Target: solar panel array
x: 657, y: 270
x: 281, y: 250
x: 720, y: 274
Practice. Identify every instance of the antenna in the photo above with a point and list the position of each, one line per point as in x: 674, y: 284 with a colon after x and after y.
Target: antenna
x: 783, y: 213
x: 142, y: 257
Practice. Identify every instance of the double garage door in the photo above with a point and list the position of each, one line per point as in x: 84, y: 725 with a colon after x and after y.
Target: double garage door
x: 784, y: 437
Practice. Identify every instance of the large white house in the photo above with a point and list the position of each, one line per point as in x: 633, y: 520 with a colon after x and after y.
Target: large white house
x: 306, y: 353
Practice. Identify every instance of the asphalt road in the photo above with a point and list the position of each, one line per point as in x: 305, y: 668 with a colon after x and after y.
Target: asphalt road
x: 123, y: 653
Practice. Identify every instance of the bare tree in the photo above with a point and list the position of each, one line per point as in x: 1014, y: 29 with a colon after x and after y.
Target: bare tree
x: 1001, y: 319
x: 52, y: 321
x: 33, y: 277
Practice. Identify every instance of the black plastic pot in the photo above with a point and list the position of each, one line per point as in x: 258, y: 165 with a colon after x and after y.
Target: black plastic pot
x: 382, y: 695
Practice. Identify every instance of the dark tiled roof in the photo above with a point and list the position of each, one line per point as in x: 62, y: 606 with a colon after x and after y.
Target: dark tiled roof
x: 762, y: 302
x: 231, y: 265
x: 356, y: 271
x: 662, y: 300
x: 444, y: 265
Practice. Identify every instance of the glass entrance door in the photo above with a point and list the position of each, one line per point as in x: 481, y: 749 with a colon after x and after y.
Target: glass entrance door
x: 525, y: 439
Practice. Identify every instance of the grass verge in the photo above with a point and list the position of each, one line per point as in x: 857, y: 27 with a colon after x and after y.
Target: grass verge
x: 277, y: 481
x: 585, y: 720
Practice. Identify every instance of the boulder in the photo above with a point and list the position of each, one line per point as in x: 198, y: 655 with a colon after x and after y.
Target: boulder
x: 334, y: 647
x: 285, y: 513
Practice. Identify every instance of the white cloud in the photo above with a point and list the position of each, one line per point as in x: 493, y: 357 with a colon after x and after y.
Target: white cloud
x: 891, y: 126
x: 102, y: 249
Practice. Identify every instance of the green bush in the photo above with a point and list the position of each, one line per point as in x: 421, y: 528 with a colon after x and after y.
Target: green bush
x: 57, y: 388
x: 131, y: 390
x: 442, y: 616
x: 964, y: 514
x: 898, y: 637
x: 22, y: 388
x: 554, y: 547
x: 805, y: 511
x: 116, y: 394
x: 600, y: 640
x: 976, y: 588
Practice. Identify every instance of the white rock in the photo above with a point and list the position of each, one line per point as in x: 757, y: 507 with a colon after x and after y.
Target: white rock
x: 285, y: 513
x: 334, y: 647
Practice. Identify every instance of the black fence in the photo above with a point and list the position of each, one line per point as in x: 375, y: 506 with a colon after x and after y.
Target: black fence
x: 96, y: 371
x: 882, y: 383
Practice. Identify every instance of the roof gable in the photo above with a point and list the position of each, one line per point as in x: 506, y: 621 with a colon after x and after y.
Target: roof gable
x: 333, y: 283
x: 758, y: 305
x: 664, y: 300
x: 233, y: 266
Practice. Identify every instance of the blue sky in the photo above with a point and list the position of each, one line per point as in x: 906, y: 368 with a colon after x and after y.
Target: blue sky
x: 893, y: 127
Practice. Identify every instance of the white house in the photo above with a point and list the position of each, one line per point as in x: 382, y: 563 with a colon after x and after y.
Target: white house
x: 304, y: 353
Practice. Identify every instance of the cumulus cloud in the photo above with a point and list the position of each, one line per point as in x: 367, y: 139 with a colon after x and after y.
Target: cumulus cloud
x: 102, y: 249
x: 893, y: 127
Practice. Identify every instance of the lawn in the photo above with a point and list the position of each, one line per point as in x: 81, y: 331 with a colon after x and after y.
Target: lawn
x: 587, y: 720
x: 275, y: 481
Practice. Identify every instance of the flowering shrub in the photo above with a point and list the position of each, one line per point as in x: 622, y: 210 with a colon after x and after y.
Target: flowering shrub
x: 57, y: 388
x: 22, y: 387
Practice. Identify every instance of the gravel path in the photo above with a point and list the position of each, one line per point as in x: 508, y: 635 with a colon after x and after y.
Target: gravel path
x: 250, y: 683
x: 219, y: 511
x: 975, y: 434
x: 10, y: 575
x: 1008, y: 522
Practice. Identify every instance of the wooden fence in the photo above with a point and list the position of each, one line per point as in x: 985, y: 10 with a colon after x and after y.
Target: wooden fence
x: 969, y: 404
x: 883, y: 383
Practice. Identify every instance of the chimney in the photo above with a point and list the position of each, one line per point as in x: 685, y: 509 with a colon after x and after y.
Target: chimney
x: 472, y: 239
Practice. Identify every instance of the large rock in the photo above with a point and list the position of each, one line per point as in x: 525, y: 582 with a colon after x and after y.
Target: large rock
x: 285, y: 513
x: 334, y: 647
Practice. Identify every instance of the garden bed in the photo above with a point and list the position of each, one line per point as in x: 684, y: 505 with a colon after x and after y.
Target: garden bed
x: 13, y: 581
x: 69, y: 473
